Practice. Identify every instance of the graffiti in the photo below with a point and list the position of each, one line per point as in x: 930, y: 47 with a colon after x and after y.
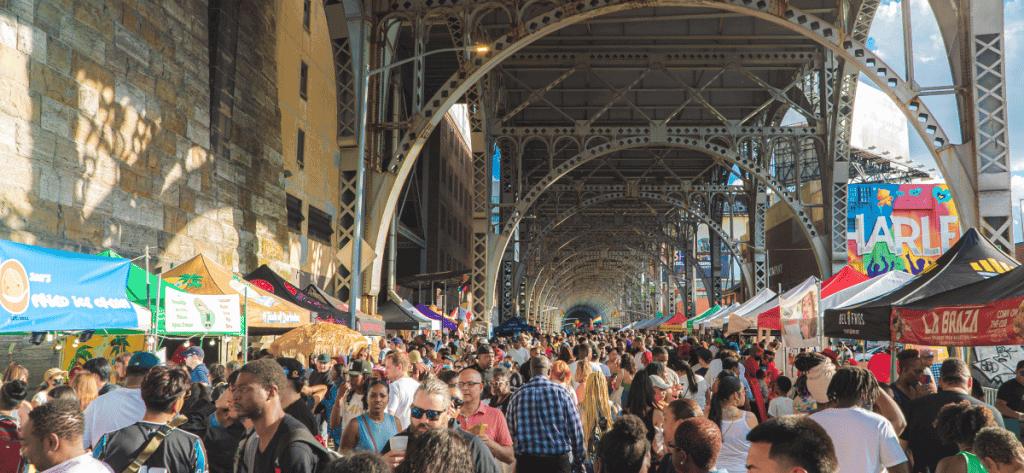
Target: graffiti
x: 993, y: 366
x: 899, y: 227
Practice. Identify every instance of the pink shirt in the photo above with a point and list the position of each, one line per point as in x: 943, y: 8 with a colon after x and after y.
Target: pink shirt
x: 494, y: 422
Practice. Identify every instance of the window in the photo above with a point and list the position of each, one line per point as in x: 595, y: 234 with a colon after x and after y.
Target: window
x: 295, y: 218
x: 319, y: 226
x: 306, y: 6
x: 303, y: 79
x: 300, y: 149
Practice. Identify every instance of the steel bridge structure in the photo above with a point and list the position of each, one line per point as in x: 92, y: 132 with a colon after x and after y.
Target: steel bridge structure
x: 621, y: 124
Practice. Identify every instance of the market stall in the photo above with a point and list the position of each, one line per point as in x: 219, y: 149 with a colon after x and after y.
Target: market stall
x: 43, y: 290
x: 446, y: 323
x: 973, y: 258
x: 365, y: 324
x: 514, y: 326
x: 874, y: 287
x: 265, y: 278
x: 262, y: 312
x: 403, y: 316
x: 676, y: 323
x: 845, y: 278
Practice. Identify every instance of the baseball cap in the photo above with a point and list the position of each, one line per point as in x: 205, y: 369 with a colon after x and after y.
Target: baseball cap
x: 360, y: 367
x: 143, y: 360
x: 927, y: 353
x: 485, y: 349
x: 54, y: 372
x: 658, y: 382
x: 323, y: 358
x: 193, y: 350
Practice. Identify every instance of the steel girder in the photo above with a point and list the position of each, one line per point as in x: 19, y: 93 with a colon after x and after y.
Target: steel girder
x: 991, y: 123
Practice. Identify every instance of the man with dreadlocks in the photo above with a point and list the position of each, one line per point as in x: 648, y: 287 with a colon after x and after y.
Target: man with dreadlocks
x: 865, y: 442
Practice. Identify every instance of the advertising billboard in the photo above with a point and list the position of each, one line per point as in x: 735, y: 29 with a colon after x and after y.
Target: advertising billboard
x: 899, y: 227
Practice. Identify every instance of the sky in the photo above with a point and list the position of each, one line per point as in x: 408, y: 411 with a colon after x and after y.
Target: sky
x: 931, y: 68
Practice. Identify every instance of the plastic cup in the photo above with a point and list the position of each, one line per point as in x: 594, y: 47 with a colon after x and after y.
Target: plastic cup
x: 399, y: 442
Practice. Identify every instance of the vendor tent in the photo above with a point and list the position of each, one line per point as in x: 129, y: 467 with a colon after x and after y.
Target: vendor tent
x: 403, y: 316
x: 446, y: 323
x: 139, y: 282
x: 43, y: 289
x: 265, y: 278
x: 971, y: 259
x: 263, y: 311
x: 365, y: 324
x: 513, y: 326
x: 748, y: 310
x: 845, y: 278
x: 770, y: 318
x: 654, y: 323
x: 696, y: 322
x: 985, y: 313
x: 719, y: 319
x: 675, y: 324
x: 874, y: 287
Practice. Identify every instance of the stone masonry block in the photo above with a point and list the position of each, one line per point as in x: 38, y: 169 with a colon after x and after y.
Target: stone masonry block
x: 137, y: 210
x: 14, y: 65
x: 54, y: 85
x: 131, y: 44
x: 58, y: 55
x: 57, y: 118
x: 83, y: 38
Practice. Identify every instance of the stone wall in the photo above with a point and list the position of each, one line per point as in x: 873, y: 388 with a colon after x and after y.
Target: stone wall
x: 105, y: 131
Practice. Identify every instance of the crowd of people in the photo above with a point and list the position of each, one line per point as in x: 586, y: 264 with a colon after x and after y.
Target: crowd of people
x: 593, y: 402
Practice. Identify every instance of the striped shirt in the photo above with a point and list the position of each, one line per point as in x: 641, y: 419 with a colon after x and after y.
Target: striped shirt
x: 544, y: 420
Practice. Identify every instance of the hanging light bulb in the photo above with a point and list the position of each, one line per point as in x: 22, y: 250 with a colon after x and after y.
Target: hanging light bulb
x: 213, y: 342
x: 49, y: 337
x: 186, y: 344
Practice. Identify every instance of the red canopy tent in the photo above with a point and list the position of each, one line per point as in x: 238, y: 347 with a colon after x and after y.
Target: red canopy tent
x: 676, y: 323
x: 769, y: 319
x: 846, y: 277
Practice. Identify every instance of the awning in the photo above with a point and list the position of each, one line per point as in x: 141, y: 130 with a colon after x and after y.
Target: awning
x: 364, y: 324
x: 397, y: 317
x: 445, y: 322
x: 265, y: 278
x: 845, y: 278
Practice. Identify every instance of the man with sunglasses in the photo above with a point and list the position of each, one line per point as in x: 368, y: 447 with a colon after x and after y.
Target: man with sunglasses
x: 432, y: 409
x: 485, y: 422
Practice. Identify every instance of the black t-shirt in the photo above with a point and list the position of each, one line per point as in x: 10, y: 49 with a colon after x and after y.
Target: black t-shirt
x: 222, y: 441
x: 317, y: 378
x: 301, y: 412
x: 922, y: 436
x: 1013, y: 393
x: 106, y: 389
x: 180, y: 451
x: 296, y: 458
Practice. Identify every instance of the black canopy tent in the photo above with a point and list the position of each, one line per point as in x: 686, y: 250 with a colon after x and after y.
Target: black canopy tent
x: 268, y: 280
x: 364, y: 324
x: 397, y: 317
x: 973, y: 258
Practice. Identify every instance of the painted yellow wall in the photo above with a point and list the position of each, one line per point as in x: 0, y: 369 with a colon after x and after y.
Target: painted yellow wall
x: 316, y: 183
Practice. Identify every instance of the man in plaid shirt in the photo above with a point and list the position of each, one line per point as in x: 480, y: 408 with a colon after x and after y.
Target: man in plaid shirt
x: 545, y: 424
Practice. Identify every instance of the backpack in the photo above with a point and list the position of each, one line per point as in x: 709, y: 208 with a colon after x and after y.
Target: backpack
x: 248, y: 447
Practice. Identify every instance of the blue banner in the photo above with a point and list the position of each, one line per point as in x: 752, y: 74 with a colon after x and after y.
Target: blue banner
x: 45, y: 290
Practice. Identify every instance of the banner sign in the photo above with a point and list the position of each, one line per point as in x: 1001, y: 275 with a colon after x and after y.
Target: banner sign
x: 995, y: 323
x: 192, y: 314
x: 42, y: 289
x: 798, y: 314
x: 74, y: 355
x: 899, y: 227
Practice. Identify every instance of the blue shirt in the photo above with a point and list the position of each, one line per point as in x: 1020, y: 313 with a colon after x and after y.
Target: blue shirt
x: 200, y: 374
x: 544, y: 420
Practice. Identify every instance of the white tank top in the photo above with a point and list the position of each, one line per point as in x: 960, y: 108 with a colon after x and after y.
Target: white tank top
x: 733, y: 456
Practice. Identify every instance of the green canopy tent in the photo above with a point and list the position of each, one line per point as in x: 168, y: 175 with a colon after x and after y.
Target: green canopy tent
x: 139, y: 282
x: 692, y: 323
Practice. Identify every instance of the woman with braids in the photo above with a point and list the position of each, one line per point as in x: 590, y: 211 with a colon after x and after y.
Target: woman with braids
x: 595, y: 410
x: 958, y: 423
x: 163, y: 392
x: 624, y: 449
x: 873, y: 445
x: 734, y: 423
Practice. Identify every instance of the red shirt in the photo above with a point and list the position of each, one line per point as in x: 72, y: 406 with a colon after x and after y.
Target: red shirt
x: 494, y: 424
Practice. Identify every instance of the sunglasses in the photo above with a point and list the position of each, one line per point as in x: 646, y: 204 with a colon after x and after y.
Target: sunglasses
x: 418, y: 413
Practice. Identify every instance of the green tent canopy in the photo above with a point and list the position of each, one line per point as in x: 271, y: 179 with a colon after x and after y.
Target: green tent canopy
x: 701, y: 317
x: 136, y: 289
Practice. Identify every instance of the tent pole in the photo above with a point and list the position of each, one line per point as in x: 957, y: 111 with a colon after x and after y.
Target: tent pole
x: 245, y: 319
x: 892, y: 367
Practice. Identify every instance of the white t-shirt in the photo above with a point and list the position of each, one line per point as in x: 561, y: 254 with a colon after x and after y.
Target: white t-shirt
x: 400, y: 399
x: 519, y: 355
x: 876, y: 446
x: 780, y: 406
x: 112, y: 411
x: 83, y: 463
x: 702, y: 390
x: 40, y: 398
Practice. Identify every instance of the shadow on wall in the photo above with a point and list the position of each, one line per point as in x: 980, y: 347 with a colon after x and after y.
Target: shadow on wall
x: 104, y: 131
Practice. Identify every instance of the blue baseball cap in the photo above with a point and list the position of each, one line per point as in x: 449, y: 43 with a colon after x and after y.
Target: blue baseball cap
x: 193, y: 350
x: 143, y: 359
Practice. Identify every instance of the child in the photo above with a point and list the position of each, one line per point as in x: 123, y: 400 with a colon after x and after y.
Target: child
x: 782, y: 405
x: 804, y: 402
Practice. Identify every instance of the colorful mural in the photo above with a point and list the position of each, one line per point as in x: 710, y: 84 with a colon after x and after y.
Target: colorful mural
x: 899, y: 227
x: 109, y: 347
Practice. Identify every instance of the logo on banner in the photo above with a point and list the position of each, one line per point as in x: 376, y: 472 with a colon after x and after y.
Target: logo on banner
x: 205, y: 314
x: 14, y: 288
